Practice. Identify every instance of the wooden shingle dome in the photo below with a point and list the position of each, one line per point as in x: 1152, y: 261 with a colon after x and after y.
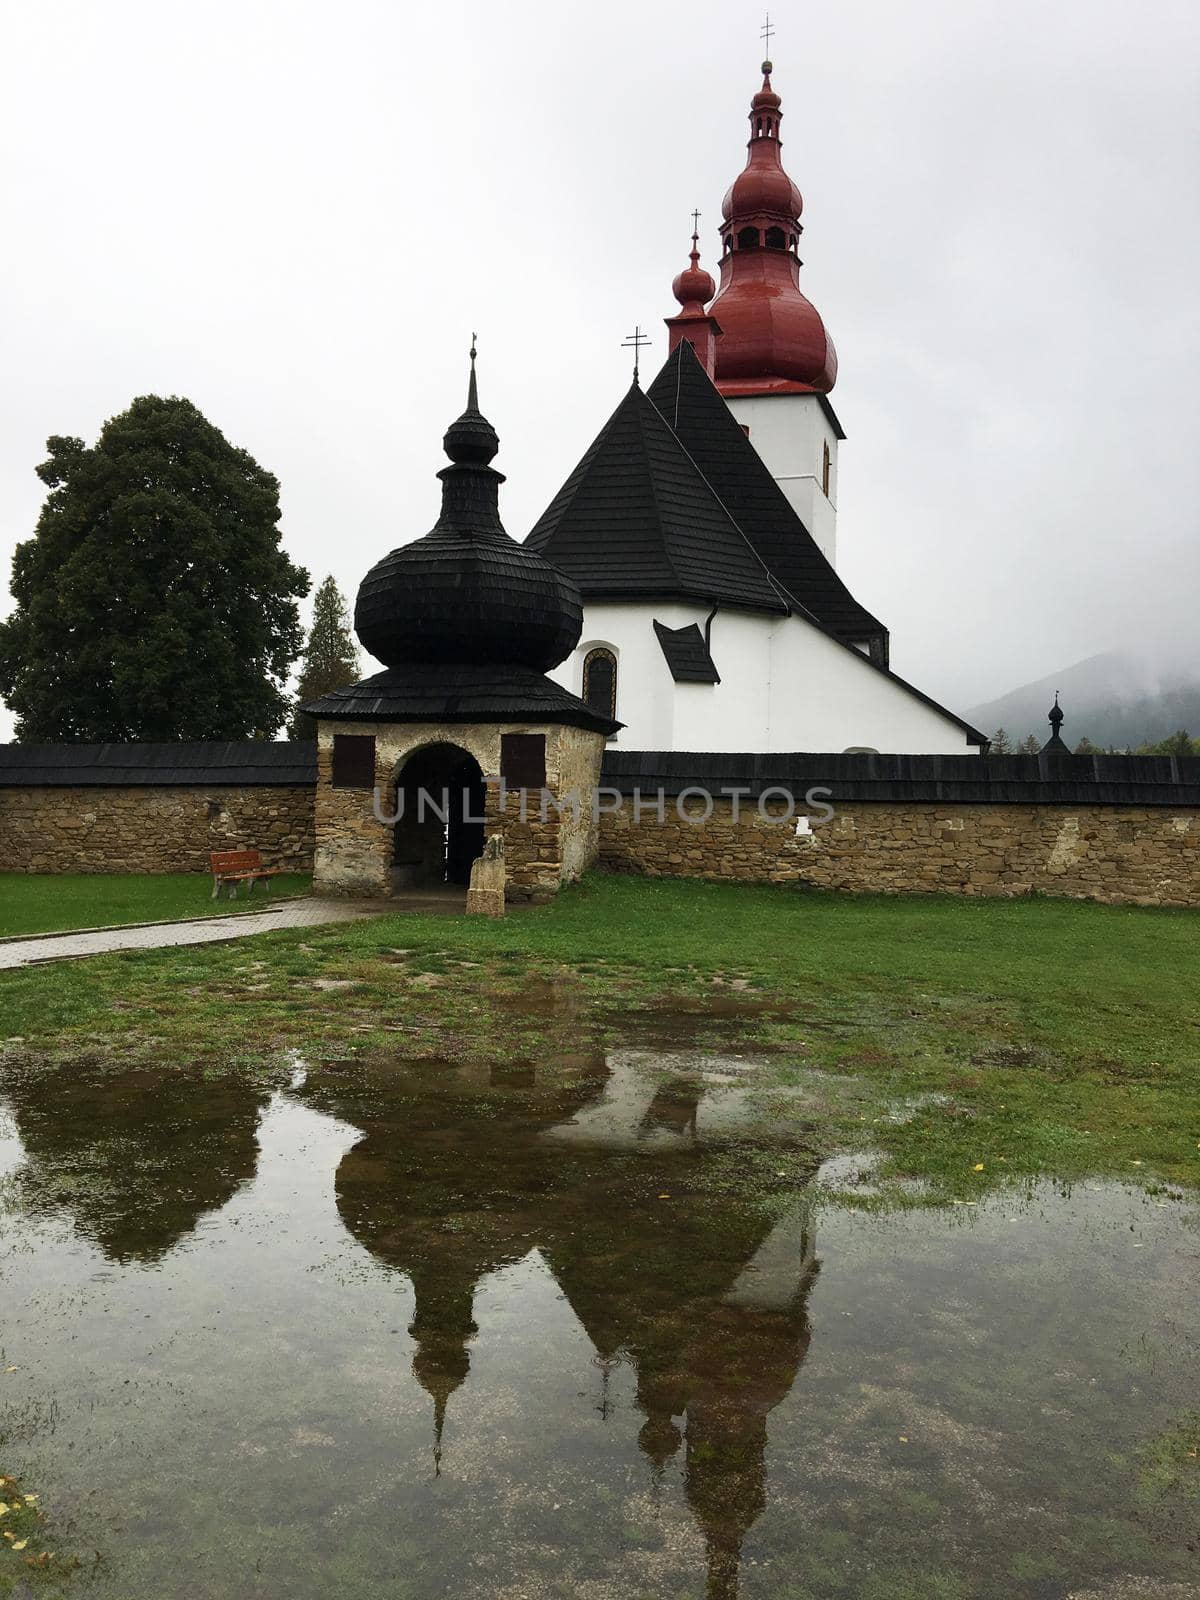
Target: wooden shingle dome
x: 467, y: 593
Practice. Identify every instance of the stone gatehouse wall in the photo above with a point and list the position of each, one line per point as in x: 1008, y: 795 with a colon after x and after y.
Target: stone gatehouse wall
x: 1147, y: 855
x: 355, y: 849
x: 152, y: 828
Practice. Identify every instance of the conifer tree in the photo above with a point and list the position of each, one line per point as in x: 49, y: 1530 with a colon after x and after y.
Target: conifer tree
x: 1001, y: 743
x: 1029, y: 745
x: 154, y: 600
x: 330, y: 658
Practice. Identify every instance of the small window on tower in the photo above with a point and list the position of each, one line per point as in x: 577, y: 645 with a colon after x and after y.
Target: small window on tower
x: 600, y: 681
x: 775, y: 239
x: 748, y: 239
x: 826, y: 468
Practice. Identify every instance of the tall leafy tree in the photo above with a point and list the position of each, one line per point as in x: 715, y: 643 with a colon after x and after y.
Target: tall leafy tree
x: 1179, y: 743
x: 154, y: 600
x: 330, y: 656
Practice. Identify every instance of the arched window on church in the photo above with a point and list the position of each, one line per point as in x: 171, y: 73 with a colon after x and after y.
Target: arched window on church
x: 748, y: 239
x: 600, y: 681
x: 775, y: 239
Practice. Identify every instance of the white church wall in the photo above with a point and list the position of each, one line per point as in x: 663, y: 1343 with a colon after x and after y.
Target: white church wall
x: 790, y: 433
x: 784, y: 686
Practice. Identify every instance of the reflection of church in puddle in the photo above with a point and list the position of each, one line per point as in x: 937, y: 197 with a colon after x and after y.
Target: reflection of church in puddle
x: 613, y: 1177
x: 628, y: 1181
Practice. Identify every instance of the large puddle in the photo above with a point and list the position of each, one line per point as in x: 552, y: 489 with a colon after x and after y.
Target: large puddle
x: 416, y: 1331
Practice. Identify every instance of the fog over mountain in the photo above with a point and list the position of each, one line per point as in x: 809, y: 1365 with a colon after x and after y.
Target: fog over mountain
x: 1112, y: 699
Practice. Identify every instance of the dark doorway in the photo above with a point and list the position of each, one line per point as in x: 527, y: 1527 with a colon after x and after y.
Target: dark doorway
x: 438, y: 833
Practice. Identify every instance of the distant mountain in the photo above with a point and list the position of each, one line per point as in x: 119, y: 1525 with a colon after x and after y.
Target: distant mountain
x: 1111, y: 699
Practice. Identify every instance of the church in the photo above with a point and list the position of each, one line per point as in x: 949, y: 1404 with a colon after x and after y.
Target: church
x: 701, y: 524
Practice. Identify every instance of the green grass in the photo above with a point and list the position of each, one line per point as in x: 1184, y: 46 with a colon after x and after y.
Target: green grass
x: 25, y: 1556
x: 49, y: 903
x: 1054, y: 1036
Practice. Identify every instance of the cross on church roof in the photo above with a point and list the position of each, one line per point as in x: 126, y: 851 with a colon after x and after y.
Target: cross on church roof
x: 635, y: 341
x: 766, y: 32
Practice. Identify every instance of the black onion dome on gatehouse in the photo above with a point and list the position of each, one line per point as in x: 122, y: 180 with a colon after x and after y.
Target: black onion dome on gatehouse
x: 467, y: 593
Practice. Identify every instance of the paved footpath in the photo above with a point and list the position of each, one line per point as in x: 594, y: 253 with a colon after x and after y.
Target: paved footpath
x: 307, y: 912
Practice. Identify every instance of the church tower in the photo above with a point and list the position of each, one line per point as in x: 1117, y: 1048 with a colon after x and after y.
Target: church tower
x: 774, y: 361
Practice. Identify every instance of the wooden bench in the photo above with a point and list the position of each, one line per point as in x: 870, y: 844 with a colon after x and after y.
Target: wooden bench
x: 239, y: 866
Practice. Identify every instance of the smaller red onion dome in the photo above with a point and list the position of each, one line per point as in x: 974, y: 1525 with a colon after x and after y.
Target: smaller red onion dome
x: 766, y: 99
x: 694, y: 287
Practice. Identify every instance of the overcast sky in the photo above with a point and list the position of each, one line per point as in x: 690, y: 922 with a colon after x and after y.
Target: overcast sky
x: 295, y: 213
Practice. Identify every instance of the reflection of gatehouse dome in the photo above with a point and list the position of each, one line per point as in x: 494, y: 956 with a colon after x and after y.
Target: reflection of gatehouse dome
x: 467, y: 592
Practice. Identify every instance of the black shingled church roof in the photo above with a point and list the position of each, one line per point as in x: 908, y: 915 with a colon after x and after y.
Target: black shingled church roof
x: 641, y: 516
x: 741, y: 480
x: 636, y: 517
x: 673, y: 501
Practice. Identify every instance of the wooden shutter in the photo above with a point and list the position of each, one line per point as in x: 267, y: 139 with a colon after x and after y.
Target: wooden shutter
x: 354, y: 761
x: 523, y: 760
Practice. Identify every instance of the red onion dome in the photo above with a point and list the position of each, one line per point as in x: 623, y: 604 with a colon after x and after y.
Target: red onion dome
x: 763, y: 186
x: 766, y: 99
x: 772, y: 337
x: 693, y: 286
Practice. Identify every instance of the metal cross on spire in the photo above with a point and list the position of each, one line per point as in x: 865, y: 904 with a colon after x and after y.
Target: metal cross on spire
x: 635, y: 341
x: 695, y: 224
x: 766, y: 33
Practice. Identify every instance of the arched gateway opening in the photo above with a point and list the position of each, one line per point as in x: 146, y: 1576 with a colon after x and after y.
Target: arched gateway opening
x: 439, y: 825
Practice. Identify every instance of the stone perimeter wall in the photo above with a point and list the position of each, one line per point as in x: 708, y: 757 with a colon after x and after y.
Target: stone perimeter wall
x: 1122, y: 855
x: 150, y: 828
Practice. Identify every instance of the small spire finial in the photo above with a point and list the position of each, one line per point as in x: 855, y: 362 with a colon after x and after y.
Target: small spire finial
x: 472, y: 389
x: 635, y: 341
x: 766, y: 33
x: 1056, y: 715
